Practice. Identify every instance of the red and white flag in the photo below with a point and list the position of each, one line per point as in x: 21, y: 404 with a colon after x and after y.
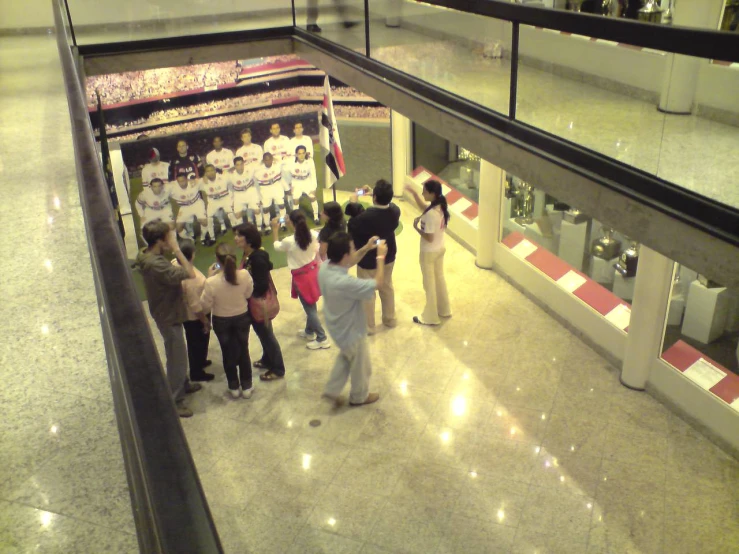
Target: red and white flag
x: 330, y: 140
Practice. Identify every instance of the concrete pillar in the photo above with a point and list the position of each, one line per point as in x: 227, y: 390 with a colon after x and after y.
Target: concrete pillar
x: 400, y: 131
x: 488, y: 213
x: 648, y: 314
x: 680, y: 78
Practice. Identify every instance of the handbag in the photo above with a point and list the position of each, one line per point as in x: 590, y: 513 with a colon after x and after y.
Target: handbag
x: 267, y: 307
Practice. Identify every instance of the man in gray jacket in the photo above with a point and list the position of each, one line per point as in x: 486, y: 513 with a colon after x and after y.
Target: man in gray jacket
x: 163, y: 282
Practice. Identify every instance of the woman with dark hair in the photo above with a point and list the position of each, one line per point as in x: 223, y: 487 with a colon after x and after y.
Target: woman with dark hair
x: 225, y: 295
x: 256, y: 261
x: 303, y: 261
x: 333, y: 222
x: 431, y: 225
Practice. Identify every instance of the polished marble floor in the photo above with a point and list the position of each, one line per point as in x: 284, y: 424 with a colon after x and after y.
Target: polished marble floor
x: 62, y: 482
x: 497, y: 432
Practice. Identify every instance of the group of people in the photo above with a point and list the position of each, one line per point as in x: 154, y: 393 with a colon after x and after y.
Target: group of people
x: 237, y: 296
x: 242, y: 185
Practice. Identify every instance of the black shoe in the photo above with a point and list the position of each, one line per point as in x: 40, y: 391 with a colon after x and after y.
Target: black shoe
x: 259, y: 364
x: 266, y: 232
x: 313, y: 28
x: 350, y: 24
x: 208, y: 363
x: 207, y: 241
x: 317, y: 221
x: 192, y: 387
x: 202, y: 377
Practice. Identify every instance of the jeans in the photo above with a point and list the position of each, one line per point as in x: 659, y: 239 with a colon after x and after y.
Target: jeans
x: 233, y: 336
x: 351, y: 362
x: 312, y: 323
x: 271, y: 351
x: 197, y: 347
x: 176, y: 351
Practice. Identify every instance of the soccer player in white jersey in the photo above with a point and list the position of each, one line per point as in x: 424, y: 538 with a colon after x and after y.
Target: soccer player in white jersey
x: 247, y: 200
x: 152, y: 204
x: 250, y: 152
x: 278, y: 145
x: 221, y: 158
x: 299, y: 139
x: 215, y: 189
x: 300, y: 172
x: 186, y: 194
x: 155, y: 169
x: 268, y: 176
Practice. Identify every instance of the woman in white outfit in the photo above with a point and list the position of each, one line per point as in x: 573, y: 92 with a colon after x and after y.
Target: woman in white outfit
x: 431, y: 225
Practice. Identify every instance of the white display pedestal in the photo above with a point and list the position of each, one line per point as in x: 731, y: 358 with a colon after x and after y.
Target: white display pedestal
x: 572, y: 241
x: 556, y: 218
x: 705, y: 313
x: 676, y: 310
x: 732, y: 317
x: 623, y: 287
x: 602, y: 270
x: 540, y: 198
x: 533, y: 233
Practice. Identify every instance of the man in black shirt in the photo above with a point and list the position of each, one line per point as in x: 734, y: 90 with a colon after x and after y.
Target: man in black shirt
x: 184, y: 163
x: 379, y: 220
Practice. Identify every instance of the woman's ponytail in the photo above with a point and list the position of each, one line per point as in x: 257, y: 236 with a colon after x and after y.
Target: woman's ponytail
x: 227, y: 259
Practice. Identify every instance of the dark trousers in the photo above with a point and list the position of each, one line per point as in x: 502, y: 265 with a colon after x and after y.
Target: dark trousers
x: 312, y: 9
x: 197, y: 347
x: 271, y: 351
x: 233, y: 336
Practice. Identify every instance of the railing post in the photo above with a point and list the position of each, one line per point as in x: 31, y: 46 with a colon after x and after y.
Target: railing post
x: 514, y: 72
x: 71, y: 26
x: 294, y: 20
x: 366, y: 29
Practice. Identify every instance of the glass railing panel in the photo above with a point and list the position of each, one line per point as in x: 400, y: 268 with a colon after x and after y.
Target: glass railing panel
x: 669, y: 115
x: 464, y: 54
x: 98, y: 22
x: 701, y: 333
x: 340, y: 21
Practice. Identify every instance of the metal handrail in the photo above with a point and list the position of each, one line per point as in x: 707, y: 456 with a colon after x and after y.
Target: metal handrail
x: 169, y: 506
x: 701, y: 43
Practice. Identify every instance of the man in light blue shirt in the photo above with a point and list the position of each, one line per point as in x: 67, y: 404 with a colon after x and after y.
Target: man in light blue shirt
x: 343, y: 310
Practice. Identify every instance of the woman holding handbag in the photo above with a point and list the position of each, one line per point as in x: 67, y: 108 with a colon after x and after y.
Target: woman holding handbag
x: 263, y: 304
x: 303, y: 261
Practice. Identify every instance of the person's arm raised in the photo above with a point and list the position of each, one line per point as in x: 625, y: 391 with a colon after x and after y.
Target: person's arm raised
x: 183, y: 261
x: 420, y: 202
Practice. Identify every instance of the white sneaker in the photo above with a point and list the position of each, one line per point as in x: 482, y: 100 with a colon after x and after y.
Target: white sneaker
x: 248, y: 392
x: 235, y: 393
x: 315, y: 345
x: 306, y: 336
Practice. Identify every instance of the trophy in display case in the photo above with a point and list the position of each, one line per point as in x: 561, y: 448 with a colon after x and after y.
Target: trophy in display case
x: 525, y: 204
x: 606, y: 247
x: 626, y: 264
x: 573, y: 215
x: 708, y: 283
x: 651, y: 12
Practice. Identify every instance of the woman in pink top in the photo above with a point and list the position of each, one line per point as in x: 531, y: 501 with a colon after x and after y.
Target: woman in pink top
x: 225, y: 293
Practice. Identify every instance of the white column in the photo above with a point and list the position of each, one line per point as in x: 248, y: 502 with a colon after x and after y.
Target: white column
x: 648, y: 313
x: 681, y: 72
x: 488, y: 213
x: 400, y: 130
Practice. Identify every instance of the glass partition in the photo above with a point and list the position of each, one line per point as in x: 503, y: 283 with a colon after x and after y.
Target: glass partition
x: 340, y: 21
x: 465, y: 54
x: 98, y: 22
x: 701, y: 336
x: 594, y: 262
x: 455, y: 165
